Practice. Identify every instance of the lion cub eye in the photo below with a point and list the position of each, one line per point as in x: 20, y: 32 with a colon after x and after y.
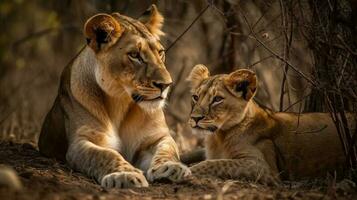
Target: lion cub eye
x: 194, y: 97
x: 161, y: 52
x: 217, y: 99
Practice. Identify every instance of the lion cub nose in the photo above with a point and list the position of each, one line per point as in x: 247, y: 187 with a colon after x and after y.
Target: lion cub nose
x: 161, y: 86
x: 196, y: 119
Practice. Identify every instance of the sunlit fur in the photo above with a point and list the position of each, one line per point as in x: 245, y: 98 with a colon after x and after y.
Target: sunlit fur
x: 107, y: 120
x: 254, y: 143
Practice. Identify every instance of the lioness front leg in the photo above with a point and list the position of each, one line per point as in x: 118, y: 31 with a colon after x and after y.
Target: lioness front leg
x: 246, y: 169
x: 166, y: 163
x: 107, y: 166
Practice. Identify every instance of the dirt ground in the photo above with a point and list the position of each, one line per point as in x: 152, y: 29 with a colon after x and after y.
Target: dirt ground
x: 44, y: 178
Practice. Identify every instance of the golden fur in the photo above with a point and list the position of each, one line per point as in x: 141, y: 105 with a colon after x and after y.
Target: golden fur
x: 246, y: 141
x: 107, y: 120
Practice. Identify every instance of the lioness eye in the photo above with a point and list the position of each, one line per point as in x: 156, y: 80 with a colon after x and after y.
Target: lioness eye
x: 195, y: 97
x: 217, y: 99
x: 134, y: 54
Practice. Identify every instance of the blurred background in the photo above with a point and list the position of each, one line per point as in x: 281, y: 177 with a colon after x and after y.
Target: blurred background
x: 303, y: 51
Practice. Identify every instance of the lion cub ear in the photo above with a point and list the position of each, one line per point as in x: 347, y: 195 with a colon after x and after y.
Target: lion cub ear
x: 102, y: 31
x: 153, y: 21
x: 198, y: 74
x: 242, y: 83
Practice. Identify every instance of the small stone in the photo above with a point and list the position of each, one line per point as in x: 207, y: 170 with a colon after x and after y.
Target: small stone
x: 207, y: 196
x: 9, y: 178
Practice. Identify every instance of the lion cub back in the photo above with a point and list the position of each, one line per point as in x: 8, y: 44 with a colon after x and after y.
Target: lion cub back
x: 309, y: 145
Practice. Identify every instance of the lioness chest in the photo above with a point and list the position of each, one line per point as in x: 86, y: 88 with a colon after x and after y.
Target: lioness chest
x: 135, y: 132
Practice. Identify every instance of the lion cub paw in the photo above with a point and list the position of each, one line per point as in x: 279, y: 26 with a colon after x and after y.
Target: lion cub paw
x: 124, y: 180
x: 173, y: 171
x: 269, y: 180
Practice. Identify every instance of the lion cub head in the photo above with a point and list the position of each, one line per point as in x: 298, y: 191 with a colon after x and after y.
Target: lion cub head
x: 220, y: 101
x: 130, y: 56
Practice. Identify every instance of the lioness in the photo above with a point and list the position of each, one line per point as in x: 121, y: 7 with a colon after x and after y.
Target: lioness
x: 107, y: 120
x: 245, y: 141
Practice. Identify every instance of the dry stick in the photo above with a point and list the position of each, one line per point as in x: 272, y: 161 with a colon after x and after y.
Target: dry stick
x: 259, y: 61
x: 319, y: 19
x: 289, y: 41
x: 178, y: 80
x: 41, y: 33
x: 15, y: 90
x: 280, y: 58
x: 277, y: 56
x: 352, y: 144
x: 337, y: 112
x: 267, y: 41
x: 298, y: 101
x: 347, y: 132
x: 334, y: 117
x: 261, y: 17
x: 31, y: 81
x: 173, y: 114
x: 298, y: 120
x: 285, y: 70
x: 7, y: 115
x: 188, y: 28
x: 343, y: 70
x: 346, y: 46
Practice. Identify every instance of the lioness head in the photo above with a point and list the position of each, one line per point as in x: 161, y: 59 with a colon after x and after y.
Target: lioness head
x: 220, y: 101
x: 130, y: 56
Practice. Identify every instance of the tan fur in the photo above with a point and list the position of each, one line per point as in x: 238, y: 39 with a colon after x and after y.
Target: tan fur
x: 245, y: 141
x: 102, y: 22
x: 107, y: 120
x: 197, y: 75
x: 153, y: 20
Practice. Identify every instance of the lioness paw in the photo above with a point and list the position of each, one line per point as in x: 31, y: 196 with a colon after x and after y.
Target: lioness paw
x: 173, y: 171
x: 124, y: 180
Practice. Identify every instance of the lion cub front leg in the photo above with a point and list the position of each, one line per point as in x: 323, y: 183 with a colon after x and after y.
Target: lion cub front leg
x: 166, y: 164
x: 106, y: 165
x: 246, y: 169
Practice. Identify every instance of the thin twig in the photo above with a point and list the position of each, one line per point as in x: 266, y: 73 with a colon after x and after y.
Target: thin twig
x: 188, y: 28
x: 346, y: 46
x: 298, y: 101
x: 178, y: 80
x: 257, y: 62
x: 309, y: 80
x: 343, y: 70
x: 41, y: 33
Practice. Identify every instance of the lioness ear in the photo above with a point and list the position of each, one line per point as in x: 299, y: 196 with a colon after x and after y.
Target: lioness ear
x: 242, y: 83
x: 198, y: 74
x: 102, y: 31
x: 153, y: 21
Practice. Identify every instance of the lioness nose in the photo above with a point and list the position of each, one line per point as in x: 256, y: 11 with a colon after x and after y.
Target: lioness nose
x: 161, y: 86
x: 196, y: 119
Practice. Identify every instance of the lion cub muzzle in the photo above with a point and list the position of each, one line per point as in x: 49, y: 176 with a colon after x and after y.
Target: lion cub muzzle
x: 201, y: 125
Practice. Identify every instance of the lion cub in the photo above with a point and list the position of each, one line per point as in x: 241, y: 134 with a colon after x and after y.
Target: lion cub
x: 245, y: 141
x: 107, y: 120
